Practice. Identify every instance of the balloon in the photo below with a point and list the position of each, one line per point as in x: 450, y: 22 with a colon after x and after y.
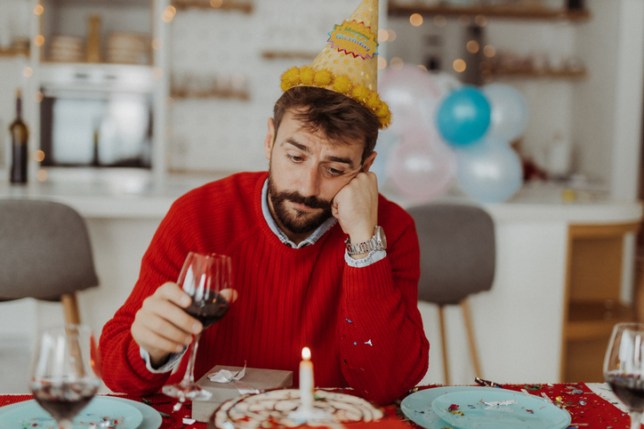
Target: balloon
x: 489, y: 172
x: 509, y: 111
x: 463, y: 117
x: 412, y: 96
x: 445, y: 82
x: 422, y: 166
x: 387, y: 141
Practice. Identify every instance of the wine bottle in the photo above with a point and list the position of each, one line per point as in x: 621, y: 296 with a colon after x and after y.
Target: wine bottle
x: 19, y: 136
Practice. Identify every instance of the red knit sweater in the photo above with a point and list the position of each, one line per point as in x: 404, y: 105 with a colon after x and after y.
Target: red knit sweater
x: 361, y: 324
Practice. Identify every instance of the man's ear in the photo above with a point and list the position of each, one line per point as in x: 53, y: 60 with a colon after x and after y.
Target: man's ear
x: 269, y: 140
x: 366, y: 165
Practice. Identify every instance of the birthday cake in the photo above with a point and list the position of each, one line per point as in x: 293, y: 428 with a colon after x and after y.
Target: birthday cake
x: 278, y: 409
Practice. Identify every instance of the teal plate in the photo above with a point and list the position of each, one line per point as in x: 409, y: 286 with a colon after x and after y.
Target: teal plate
x: 129, y: 414
x: 417, y: 407
x: 499, y: 409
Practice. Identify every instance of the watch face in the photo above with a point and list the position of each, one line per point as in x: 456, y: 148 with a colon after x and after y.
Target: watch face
x: 380, y: 237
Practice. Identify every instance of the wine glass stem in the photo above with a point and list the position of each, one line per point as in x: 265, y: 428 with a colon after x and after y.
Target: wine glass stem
x: 65, y: 424
x: 189, y: 376
x: 636, y: 418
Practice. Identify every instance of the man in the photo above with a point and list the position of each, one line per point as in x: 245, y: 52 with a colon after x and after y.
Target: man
x: 298, y: 283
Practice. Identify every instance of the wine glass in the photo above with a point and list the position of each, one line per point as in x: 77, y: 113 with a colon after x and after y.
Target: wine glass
x: 208, y: 281
x: 65, y: 374
x: 624, y: 368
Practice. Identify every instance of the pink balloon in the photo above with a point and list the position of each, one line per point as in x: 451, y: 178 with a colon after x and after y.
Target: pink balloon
x: 422, y: 166
x: 412, y: 95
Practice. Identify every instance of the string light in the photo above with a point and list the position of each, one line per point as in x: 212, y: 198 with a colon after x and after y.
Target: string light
x: 416, y: 19
x: 168, y: 14
x: 472, y: 46
x: 459, y: 65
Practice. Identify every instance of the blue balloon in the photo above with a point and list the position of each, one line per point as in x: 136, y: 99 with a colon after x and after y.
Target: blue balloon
x: 489, y: 172
x: 463, y: 117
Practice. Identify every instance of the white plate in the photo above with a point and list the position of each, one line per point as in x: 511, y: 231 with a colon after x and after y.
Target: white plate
x: 135, y: 415
x: 499, y: 409
x: 417, y: 407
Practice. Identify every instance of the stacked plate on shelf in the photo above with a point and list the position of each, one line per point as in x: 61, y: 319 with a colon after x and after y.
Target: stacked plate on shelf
x: 127, y: 48
x: 68, y: 49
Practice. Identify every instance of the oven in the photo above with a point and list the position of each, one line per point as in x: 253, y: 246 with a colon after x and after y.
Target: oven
x: 96, y: 115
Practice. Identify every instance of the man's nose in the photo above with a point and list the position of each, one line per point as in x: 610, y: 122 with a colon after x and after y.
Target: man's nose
x: 311, y: 182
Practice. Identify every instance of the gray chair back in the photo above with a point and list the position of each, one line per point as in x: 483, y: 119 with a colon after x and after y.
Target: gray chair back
x: 457, y: 251
x: 45, y: 250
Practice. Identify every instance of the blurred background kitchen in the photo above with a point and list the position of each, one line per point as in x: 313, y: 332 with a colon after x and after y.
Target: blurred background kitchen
x: 130, y: 103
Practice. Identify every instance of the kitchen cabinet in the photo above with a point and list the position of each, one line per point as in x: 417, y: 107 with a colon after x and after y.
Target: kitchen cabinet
x: 88, y: 46
x: 593, y: 300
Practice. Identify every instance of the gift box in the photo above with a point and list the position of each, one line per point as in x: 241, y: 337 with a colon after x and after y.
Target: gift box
x: 256, y: 379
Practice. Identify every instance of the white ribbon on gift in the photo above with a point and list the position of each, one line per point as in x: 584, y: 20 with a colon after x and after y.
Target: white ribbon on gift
x: 225, y: 376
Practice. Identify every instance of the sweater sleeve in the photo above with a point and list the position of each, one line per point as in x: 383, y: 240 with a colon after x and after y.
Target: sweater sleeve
x: 123, y: 368
x: 384, y: 350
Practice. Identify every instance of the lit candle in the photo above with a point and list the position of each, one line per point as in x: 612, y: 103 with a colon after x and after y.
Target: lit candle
x: 306, y: 381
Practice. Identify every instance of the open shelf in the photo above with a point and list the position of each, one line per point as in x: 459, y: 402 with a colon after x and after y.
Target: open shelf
x: 210, y: 95
x: 500, y: 11
x: 595, y: 319
x: 13, y: 52
x: 561, y: 74
x: 288, y: 55
x: 245, y: 6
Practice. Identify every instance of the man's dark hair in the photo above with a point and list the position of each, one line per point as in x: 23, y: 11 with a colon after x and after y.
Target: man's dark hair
x: 337, y: 116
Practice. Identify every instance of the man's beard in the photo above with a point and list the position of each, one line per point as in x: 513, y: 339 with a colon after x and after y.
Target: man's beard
x: 300, y: 222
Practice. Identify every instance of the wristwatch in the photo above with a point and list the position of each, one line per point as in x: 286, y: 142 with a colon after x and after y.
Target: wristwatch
x: 377, y: 242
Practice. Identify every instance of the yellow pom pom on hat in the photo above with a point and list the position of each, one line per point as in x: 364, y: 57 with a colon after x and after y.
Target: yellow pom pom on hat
x: 348, y: 64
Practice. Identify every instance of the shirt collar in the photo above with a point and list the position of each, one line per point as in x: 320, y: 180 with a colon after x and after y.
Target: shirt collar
x: 311, y: 239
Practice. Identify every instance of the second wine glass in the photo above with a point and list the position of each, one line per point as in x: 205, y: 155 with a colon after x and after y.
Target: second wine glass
x: 65, y: 373
x: 624, y: 368
x: 207, y: 278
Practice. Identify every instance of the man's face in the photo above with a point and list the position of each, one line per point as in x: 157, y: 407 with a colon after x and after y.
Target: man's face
x: 306, y: 172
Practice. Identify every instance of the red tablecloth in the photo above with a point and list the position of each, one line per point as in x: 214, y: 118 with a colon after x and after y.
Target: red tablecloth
x: 587, y: 409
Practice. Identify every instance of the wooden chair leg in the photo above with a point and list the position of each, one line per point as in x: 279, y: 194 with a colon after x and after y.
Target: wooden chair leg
x: 70, y: 308
x: 469, y: 330
x: 441, y: 322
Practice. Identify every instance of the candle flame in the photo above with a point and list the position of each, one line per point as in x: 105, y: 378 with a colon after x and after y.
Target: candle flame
x: 306, y: 353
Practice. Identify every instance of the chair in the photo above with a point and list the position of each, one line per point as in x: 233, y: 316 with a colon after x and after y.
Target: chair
x: 457, y: 259
x: 46, y: 253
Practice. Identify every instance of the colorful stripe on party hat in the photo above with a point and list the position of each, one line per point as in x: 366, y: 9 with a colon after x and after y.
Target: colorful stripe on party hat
x: 348, y: 64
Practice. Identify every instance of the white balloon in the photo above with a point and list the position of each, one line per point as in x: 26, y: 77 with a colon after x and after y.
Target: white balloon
x: 489, y: 171
x: 509, y: 111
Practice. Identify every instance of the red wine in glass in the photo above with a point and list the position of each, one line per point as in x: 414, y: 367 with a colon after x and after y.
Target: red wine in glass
x: 209, y: 311
x: 629, y: 389
x: 64, y: 400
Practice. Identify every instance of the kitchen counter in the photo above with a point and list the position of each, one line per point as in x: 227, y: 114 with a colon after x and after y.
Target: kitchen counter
x: 131, y: 193
x: 518, y: 321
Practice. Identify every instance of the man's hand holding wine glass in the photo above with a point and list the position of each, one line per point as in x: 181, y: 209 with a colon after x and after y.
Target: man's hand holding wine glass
x: 162, y: 326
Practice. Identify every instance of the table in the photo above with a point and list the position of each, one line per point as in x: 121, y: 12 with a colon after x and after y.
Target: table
x: 591, y: 406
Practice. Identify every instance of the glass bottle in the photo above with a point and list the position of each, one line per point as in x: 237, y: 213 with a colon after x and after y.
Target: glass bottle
x: 19, y: 137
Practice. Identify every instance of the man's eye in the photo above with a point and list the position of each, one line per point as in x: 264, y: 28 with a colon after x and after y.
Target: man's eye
x: 334, y: 172
x: 295, y: 158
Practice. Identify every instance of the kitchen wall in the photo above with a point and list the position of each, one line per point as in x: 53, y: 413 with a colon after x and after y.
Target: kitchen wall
x: 226, y: 134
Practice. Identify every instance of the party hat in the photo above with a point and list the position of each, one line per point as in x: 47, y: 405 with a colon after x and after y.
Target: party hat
x: 348, y: 63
